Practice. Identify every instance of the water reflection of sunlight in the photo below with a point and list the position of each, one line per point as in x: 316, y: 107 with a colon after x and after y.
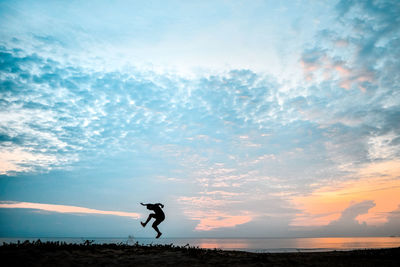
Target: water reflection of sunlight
x: 347, y: 242
x: 299, y: 244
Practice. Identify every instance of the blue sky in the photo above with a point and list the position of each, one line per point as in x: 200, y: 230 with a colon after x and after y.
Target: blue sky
x: 244, y: 118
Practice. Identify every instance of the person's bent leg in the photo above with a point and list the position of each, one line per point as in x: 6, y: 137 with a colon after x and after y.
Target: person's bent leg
x: 155, y: 224
x: 152, y: 215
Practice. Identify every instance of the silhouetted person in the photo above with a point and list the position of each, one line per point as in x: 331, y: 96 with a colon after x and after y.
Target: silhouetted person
x: 158, y: 215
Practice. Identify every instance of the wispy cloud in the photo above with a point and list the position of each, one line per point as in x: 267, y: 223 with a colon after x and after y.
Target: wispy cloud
x: 64, y: 209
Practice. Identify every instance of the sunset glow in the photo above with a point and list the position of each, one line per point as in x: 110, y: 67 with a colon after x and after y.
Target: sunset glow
x: 377, y: 182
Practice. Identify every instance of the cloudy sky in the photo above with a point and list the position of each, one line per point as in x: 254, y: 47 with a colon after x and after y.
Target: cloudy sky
x: 245, y: 118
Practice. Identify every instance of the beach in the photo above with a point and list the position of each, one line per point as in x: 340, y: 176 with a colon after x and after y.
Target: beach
x: 87, y: 254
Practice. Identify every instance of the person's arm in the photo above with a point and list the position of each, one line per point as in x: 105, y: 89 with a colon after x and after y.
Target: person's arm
x: 162, y: 206
x: 141, y: 203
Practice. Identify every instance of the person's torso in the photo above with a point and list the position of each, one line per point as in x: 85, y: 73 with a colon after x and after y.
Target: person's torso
x: 158, y: 211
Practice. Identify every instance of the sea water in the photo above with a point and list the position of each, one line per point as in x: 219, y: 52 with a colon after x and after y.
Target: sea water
x: 243, y: 244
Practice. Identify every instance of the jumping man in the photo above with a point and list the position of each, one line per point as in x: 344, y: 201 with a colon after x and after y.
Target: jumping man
x: 158, y: 215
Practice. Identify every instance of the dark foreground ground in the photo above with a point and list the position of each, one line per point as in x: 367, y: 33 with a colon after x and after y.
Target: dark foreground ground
x: 87, y: 254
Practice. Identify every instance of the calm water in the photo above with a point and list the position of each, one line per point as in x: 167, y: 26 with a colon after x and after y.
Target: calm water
x: 248, y: 244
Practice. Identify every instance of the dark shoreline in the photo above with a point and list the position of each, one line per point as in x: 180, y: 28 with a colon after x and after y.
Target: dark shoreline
x: 87, y: 254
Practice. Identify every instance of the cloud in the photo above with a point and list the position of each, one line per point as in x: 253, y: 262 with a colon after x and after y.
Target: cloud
x: 375, y: 181
x: 215, y: 220
x: 214, y: 210
x: 349, y: 222
x: 64, y: 209
x: 53, y: 113
x: 354, y: 81
x: 15, y: 159
x: 349, y: 215
x: 59, y: 114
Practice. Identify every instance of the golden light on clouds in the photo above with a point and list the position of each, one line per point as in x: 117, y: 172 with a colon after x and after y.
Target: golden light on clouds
x: 209, y: 211
x: 211, y: 222
x: 377, y: 182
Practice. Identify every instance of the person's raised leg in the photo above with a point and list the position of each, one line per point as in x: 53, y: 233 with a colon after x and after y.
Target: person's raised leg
x: 152, y: 215
x: 155, y: 224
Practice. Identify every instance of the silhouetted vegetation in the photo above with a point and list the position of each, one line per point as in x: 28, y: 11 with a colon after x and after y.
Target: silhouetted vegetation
x: 87, y: 253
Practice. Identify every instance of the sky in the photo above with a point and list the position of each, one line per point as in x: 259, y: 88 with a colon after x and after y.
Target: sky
x: 244, y: 118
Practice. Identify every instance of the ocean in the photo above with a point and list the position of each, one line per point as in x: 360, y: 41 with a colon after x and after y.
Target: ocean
x: 244, y: 244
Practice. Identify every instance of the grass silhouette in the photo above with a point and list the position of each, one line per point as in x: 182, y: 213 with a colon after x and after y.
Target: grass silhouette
x: 87, y: 253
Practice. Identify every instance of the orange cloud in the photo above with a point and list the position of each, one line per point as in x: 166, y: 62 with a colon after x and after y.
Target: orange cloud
x: 378, y: 182
x: 206, y: 210
x: 214, y: 219
x: 342, y: 70
x: 346, y: 84
x: 318, y: 66
x: 64, y: 209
